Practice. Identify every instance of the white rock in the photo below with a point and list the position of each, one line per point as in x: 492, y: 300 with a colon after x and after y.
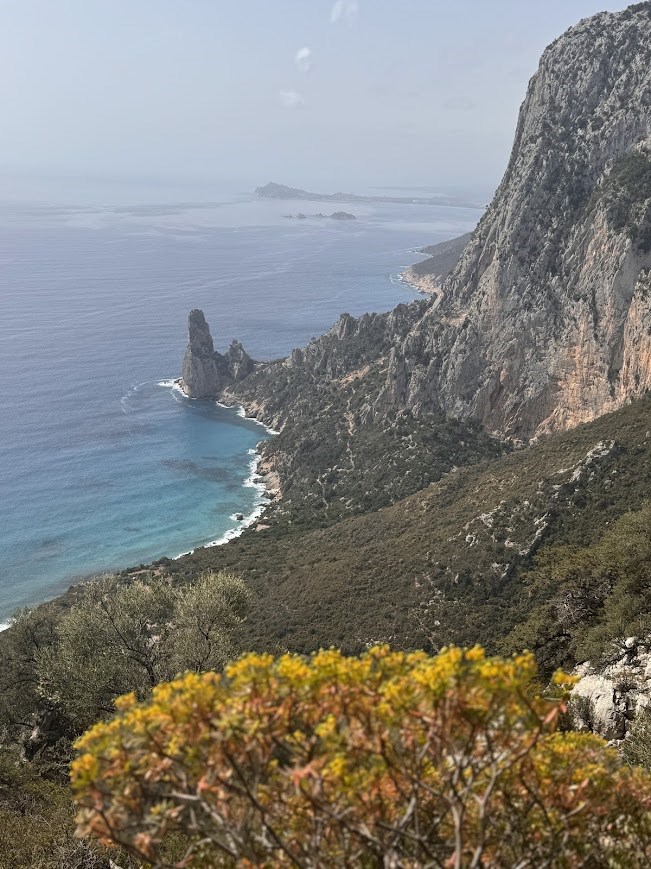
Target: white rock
x: 605, y: 715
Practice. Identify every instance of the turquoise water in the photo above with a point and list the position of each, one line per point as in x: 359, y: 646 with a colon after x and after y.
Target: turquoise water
x: 101, y: 466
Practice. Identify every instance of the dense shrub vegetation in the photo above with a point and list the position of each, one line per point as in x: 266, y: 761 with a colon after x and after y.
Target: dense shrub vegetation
x: 62, y: 670
x: 447, y: 563
x: 637, y: 748
x: 120, y: 635
x: 37, y: 819
x: 590, y: 598
x: 388, y: 759
x: 462, y: 560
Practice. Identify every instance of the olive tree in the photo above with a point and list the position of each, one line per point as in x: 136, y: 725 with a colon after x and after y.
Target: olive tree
x: 121, y: 635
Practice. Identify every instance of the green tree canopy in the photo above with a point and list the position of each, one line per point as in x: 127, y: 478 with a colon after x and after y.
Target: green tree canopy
x: 120, y: 636
x: 590, y: 598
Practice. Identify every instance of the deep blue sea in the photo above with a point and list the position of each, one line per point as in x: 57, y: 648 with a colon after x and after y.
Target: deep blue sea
x: 101, y: 466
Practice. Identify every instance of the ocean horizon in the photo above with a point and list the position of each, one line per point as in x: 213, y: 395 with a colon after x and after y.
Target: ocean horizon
x: 105, y: 465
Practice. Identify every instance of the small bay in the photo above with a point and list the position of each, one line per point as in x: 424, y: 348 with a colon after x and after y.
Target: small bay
x: 103, y: 464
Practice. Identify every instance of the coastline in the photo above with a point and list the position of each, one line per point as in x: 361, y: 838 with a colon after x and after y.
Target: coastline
x: 429, y: 275
x: 262, y: 477
x: 267, y: 484
x: 253, y: 481
x: 427, y: 285
x: 262, y: 474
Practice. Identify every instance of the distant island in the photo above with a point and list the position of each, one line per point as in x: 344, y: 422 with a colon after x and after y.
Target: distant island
x: 336, y: 215
x: 281, y: 191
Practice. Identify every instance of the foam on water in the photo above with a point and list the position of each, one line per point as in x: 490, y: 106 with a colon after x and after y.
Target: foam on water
x: 253, y: 481
x: 241, y: 412
x: 174, y: 385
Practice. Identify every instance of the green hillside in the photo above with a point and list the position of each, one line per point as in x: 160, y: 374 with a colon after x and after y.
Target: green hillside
x: 448, y: 562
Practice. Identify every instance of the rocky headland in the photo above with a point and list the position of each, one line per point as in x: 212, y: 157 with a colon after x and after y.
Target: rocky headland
x: 428, y: 275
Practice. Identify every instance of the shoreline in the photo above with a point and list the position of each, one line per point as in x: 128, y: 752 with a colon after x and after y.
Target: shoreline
x: 252, y: 481
x: 257, y: 479
x: 428, y: 276
x: 427, y: 285
x: 261, y: 477
x: 262, y: 474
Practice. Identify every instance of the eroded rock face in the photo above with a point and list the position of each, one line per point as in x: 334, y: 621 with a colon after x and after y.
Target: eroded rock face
x: 200, y: 377
x: 607, y: 700
x: 238, y: 361
x: 604, y: 708
x: 545, y: 321
x: 206, y: 373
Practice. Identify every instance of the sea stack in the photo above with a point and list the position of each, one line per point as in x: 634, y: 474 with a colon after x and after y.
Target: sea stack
x: 200, y: 378
x: 206, y: 373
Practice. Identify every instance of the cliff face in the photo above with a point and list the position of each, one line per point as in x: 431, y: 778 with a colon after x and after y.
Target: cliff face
x: 545, y: 321
x: 199, y: 378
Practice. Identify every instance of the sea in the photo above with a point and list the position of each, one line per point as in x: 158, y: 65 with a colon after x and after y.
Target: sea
x: 104, y: 464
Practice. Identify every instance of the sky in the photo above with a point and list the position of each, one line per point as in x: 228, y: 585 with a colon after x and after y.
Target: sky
x: 321, y: 94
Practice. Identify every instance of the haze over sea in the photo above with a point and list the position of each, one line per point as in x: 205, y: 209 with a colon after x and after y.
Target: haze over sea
x: 101, y: 466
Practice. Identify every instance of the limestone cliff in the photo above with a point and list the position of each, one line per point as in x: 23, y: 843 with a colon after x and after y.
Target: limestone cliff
x: 546, y: 320
x: 206, y: 373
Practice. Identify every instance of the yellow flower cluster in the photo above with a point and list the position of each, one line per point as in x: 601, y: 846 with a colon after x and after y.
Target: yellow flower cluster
x: 345, y: 755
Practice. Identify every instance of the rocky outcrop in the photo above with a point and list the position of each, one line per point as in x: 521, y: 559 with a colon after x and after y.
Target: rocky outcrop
x: 206, y: 373
x: 354, y: 349
x: 607, y: 700
x: 200, y: 377
x: 238, y: 362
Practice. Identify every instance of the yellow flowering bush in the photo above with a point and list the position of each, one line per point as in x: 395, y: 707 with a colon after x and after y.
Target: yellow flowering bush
x: 387, y: 759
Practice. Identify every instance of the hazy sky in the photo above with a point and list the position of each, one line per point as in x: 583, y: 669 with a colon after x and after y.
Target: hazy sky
x: 313, y: 93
